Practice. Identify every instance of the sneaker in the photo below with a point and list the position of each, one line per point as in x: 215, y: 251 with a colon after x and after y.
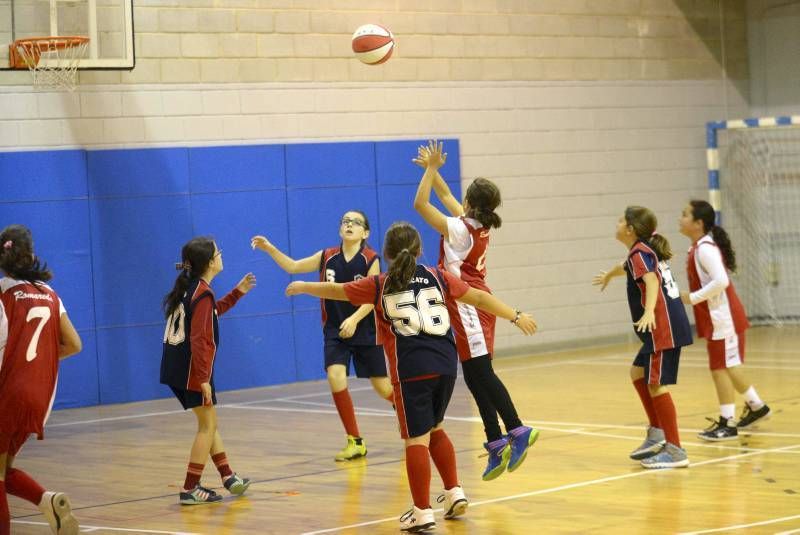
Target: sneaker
x: 57, y: 511
x: 520, y: 439
x: 415, y: 520
x: 499, y: 452
x: 652, y: 444
x: 356, y: 447
x: 455, y: 502
x: 749, y: 416
x: 199, y: 495
x: 670, y: 456
x: 719, y: 430
x: 236, y: 485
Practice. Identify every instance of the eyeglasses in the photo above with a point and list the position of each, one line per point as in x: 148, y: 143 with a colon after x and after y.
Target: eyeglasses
x: 218, y: 253
x: 355, y: 222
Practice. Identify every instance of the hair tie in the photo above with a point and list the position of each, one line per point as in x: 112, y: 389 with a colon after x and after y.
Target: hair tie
x: 405, y: 250
x: 183, y: 266
x: 653, y: 234
x: 8, y: 244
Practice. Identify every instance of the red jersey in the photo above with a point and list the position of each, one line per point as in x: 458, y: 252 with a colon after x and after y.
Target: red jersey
x: 30, y: 336
x: 464, y: 252
x: 413, y: 323
x: 718, y: 312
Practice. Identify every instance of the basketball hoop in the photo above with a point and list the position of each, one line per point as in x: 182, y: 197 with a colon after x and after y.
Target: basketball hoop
x: 53, y: 61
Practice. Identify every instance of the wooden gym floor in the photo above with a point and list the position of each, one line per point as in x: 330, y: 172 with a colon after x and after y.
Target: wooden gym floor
x: 122, y: 465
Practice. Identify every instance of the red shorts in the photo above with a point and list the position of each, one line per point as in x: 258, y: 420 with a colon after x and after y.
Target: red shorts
x: 11, y: 444
x: 473, y: 328
x: 726, y: 353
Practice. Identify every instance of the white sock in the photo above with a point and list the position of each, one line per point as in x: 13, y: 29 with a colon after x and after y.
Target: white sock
x: 752, y: 399
x: 728, y: 410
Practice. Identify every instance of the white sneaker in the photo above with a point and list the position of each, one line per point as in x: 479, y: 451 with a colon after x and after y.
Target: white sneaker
x: 455, y: 502
x: 415, y: 520
x: 57, y: 510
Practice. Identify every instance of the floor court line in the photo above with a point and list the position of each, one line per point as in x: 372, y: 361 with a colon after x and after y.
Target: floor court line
x: 751, y: 525
x: 569, y: 486
x: 90, y: 529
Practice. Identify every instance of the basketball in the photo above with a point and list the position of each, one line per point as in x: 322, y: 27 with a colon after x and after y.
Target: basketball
x: 373, y: 44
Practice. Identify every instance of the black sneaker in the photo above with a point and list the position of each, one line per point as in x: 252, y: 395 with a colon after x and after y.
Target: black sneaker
x: 719, y: 430
x: 749, y: 416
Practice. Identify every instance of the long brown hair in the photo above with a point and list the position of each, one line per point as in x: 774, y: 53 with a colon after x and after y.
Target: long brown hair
x: 703, y: 211
x: 644, y: 223
x: 401, y: 247
x: 483, y: 197
x: 196, y: 255
x: 16, y: 256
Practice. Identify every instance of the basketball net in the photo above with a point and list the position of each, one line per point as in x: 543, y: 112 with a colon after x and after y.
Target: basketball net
x: 52, y: 61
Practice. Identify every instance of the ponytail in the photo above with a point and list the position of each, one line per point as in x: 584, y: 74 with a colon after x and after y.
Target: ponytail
x: 196, y: 255
x: 660, y: 245
x: 723, y: 241
x: 483, y: 196
x: 644, y: 223
x: 16, y: 256
x: 703, y: 211
x: 488, y: 219
x: 401, y: 247
x: 401, y: 271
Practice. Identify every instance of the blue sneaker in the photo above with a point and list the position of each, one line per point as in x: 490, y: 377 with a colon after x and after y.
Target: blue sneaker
x: 520, y: 439
x: 671, y: 456
x: 499, y: 452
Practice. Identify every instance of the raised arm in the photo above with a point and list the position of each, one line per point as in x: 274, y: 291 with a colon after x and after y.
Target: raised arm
x: 286, y: 263
x: 432, y: 158
x: 446, y: 196
x: 491, y: 304
x: 324, y: 290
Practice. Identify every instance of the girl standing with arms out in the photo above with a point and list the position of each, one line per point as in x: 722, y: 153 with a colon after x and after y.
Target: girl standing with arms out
x: 35, y: 333
x: 411, y: 308
x: 191, y: 340
x: 349, y: 331
x: 720, y: 319
x: 660, y: 321
x: 464, y: 244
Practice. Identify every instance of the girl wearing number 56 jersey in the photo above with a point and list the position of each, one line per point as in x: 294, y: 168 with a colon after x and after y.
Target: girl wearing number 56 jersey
x: 411, y: 307
x: 191, y: 340
x: 660, y: 321
x: 464, y: 244
x: 35, y: 333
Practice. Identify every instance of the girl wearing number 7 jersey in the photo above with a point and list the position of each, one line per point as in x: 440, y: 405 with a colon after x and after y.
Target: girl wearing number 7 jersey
x: 464, y: 243
x: 660, y: 321
x: 411, y: 308
x: 35, y: 333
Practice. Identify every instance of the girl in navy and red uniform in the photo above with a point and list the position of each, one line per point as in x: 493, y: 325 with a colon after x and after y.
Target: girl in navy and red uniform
x: 411, y: 306
x: 720, y: 319
x: 191, y: 340
x: 35, y: 333
x: 463, y: 248
x: 349, y: 331
x: 660, y: 321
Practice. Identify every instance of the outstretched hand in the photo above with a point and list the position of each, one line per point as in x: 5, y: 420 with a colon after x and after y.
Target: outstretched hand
x: 431, y: 156
x: 601, y: 280
x: 247, y: 283
x: 294, y: 288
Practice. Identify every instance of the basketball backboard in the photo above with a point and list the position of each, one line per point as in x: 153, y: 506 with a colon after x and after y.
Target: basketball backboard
x: 107, y: 23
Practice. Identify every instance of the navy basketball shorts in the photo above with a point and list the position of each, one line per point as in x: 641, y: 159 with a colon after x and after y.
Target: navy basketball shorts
x: 190, y: 399
x: 421, y: 404
x: 368, y: 360
x: 661, y: 367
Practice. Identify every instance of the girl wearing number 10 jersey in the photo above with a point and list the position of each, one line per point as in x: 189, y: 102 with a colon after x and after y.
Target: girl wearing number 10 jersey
x: 411, y: 309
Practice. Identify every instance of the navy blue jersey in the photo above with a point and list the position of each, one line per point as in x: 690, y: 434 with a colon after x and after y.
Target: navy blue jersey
x: 672, y: 324
x: 414, y: 322
x: 176, y: 356
x: 333, y: 267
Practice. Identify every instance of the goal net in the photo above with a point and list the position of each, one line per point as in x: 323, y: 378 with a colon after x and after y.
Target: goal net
x: 758, y: 203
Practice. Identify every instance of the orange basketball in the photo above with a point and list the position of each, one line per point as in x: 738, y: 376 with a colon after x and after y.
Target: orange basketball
x: 373, y: 44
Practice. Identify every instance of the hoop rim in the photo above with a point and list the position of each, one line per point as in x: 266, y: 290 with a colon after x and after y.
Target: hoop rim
x: 42, y: 44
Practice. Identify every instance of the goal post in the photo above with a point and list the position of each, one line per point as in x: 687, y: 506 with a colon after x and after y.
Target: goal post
x: 754, y: 187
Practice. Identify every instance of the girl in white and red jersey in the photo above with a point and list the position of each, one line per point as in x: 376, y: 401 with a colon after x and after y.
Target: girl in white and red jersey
x: 411, y: 308
x: 35, y: 333
x: 720, y: 319
x: 660, y: 321
x: 464, y: 243
x: 191, y: 340
x: 349, y: 331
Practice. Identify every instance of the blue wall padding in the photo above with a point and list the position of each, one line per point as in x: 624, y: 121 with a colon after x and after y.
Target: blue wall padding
x: 111, y: 223
x: 138, y: 172
x: 42, y: 176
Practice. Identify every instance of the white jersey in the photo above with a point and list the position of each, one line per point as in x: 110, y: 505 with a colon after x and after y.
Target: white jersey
x: 713, y: 276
